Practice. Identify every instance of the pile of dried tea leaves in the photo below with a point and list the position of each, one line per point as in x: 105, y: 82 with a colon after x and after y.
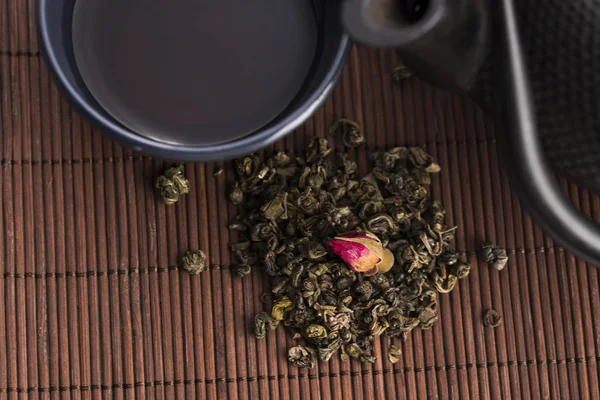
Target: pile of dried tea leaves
x: 291, y: 208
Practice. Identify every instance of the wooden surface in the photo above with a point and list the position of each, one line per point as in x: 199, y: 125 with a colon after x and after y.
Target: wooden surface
x: 92, y: 303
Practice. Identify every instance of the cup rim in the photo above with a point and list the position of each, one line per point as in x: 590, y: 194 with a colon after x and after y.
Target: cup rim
x: 245, y: 145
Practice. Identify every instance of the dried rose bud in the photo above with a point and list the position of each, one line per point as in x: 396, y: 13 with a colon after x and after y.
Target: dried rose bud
x: 363, y: 252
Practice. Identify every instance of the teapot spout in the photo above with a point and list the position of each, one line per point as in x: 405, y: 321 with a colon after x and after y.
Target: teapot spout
x: 444, y: 42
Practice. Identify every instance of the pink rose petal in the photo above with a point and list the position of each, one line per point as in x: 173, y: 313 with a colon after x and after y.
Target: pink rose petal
x: 358, y: 256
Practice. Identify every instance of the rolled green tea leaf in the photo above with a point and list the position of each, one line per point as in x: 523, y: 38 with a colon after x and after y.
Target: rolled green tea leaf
x: 236, y: 195
x: 400, y: 74
x: 262, y: 323
x: 172, y: 184
x: 168, y: 190
x: 350, y: 256
x: 176, y: 175
x: 302, y: 357
x: 218, y: 172
x: 494, y: 255
x: 349, y: 131
x: 194, y: 262
x: 492, y: 319
x: 394, y: 354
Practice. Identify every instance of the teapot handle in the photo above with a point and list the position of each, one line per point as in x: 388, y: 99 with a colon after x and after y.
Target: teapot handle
x: 532, y: 176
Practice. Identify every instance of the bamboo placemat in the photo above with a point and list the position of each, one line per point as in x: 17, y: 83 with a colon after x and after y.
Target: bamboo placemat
x: 92, y: 303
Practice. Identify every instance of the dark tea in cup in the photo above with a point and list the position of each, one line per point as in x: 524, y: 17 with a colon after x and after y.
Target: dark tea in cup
x: 194, y: 72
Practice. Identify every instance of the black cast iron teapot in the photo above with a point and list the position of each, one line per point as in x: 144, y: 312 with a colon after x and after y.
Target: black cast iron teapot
x: 537, y: 63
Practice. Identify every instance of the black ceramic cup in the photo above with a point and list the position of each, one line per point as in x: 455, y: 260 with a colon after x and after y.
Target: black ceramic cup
x: 54, y: 27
